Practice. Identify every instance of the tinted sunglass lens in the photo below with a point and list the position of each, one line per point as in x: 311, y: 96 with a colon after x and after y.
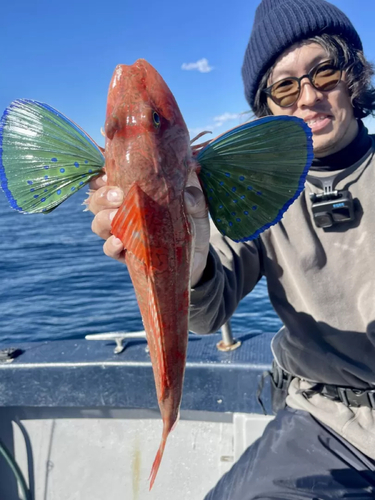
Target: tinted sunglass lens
x: 324, y: 77
x: 285, y: 93
x: 327, y: 77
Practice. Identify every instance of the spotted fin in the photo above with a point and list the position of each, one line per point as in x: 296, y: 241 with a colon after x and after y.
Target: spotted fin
x: 44, y: 156
x: 254, y: 172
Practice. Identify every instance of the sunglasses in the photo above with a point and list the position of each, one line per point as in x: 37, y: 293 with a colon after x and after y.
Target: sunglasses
x: 325, y: 76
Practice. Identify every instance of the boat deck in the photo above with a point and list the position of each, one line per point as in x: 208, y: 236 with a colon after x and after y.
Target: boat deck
x: 83, y: 422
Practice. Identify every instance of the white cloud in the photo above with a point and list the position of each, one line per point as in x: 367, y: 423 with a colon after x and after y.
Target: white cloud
x: 218, y: 121
x: 202, y: 66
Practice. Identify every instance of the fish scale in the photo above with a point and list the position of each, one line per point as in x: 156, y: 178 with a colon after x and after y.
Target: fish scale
x: 250, y: 175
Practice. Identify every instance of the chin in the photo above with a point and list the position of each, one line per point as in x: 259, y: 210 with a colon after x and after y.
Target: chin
x: 324, y: 146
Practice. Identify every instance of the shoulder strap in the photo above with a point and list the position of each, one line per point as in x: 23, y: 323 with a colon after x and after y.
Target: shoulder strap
x: 329, y: 182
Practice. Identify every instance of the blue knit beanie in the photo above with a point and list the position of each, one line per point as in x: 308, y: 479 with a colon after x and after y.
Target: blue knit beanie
x: 279, y: 24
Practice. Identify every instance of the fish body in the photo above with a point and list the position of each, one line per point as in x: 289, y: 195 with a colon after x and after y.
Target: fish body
x: 148, y: 155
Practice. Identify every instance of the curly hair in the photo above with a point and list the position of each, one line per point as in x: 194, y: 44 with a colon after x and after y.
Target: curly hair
x: 358, y: 70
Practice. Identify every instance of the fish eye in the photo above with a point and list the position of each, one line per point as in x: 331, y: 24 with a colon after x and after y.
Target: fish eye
x: 156, y: 119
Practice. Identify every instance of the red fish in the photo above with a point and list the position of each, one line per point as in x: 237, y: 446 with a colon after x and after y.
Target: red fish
x: 148, y: 155
x: 250, y: 175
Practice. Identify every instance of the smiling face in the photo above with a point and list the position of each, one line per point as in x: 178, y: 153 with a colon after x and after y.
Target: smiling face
x: 329, y: 114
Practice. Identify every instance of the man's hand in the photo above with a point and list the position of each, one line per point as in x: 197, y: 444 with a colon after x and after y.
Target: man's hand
x: 104, y: 201
x: 196, y: 207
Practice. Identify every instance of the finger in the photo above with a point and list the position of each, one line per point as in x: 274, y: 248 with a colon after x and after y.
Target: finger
x: 101, y: 224
x: 114, y: 248
x: 104, y: 198
x: 98, y: 182
x: 195, y: 202
x: 193, y: 180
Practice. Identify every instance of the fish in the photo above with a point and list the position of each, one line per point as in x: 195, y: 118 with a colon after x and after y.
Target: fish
x: 144, y: 128
x: 250, y: 175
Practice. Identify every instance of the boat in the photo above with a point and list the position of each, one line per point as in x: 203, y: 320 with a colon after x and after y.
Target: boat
x: 79, y: 418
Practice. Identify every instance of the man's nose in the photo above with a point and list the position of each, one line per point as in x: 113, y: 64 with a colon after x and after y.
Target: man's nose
x: 309, y: 94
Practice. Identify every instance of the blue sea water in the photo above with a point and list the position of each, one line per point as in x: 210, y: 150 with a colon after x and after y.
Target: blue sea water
x: 56, y: 283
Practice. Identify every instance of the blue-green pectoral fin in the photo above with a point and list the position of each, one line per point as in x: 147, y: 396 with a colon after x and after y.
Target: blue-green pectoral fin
x: 253, y: 173
x: 44, y: 156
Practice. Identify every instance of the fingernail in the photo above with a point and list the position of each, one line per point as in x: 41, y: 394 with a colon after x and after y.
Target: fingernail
x: 105, y: 178
x: 112, y: 214
x: 117, y: 242
x: 113, y: 195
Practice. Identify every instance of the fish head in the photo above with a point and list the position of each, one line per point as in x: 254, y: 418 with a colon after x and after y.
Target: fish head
x: 146, y: 136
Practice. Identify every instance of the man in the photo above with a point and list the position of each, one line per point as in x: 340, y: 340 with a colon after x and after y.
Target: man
x: 304, y: 59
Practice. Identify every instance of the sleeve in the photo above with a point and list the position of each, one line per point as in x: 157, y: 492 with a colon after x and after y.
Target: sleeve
x: 232, y: 271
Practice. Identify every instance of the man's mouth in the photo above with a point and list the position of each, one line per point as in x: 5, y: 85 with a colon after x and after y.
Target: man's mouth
x: 312, y: 121
x: 317, y: 121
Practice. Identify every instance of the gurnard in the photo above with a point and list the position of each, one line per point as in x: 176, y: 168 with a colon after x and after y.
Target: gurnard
x: 250, y: 175
x: 147, y: 155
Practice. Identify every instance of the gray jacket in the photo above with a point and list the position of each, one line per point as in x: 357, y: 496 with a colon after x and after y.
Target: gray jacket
x: 321, y: 283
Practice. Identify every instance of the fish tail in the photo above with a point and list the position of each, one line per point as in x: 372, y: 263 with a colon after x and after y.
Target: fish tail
x: 159, y: 456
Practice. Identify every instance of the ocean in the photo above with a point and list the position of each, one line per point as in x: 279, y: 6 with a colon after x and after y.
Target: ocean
x: 56, y: 282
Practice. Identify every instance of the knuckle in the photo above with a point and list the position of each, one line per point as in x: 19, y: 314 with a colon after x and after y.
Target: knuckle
x: 94, y: 201
x: 107, y: 250
x: 101, y: 224
x: 93, y: 225
x: 104, y: 198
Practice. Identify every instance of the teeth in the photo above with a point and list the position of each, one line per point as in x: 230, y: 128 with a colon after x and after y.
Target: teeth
x: 316, y: 120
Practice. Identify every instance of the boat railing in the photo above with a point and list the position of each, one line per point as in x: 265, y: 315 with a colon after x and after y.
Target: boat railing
x: 227, y: 343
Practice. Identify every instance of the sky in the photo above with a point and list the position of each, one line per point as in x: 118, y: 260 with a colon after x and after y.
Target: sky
x: 64, y: 53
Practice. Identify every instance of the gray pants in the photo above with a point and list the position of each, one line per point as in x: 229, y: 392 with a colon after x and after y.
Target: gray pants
x: 298, y: 458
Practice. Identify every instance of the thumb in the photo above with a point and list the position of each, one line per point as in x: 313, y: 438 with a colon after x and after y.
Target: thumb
x: 195, y: 202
